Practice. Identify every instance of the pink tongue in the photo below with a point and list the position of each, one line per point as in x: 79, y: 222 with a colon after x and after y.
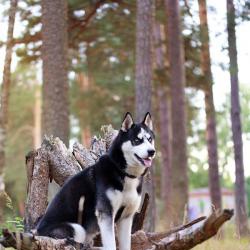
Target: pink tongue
x: 147, y: 162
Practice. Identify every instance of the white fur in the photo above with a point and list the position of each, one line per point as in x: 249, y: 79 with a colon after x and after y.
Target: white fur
x: 106, y: 225
x: 135, y: 167
x: 115, y: 197
x: 129, y: 198
x: 124, y: 233
x: 143, y: 134
x: 79, y: 233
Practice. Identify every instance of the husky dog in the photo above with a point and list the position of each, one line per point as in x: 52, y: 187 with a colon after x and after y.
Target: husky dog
x: 110, y: 189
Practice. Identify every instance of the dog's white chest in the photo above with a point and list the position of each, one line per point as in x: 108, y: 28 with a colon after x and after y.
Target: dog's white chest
x: 127, y: 198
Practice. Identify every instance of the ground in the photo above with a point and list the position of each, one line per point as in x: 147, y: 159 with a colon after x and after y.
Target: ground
x: 227, y: 244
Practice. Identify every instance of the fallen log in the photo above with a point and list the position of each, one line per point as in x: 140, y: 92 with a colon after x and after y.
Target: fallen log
x: 181, y: 238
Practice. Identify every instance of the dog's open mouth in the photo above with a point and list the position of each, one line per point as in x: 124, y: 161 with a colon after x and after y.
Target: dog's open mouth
x: 147, y: 162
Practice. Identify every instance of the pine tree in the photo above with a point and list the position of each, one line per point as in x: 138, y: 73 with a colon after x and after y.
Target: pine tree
x: 55, y: 114
x: 211, y: 134
x: 143, y: 84
x: 240, y: 191
x: 178, y: 113
x: 163, y: 103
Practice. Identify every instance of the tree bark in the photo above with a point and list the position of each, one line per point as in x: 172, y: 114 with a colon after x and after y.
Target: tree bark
x: 38, y: 176
x: 143, y: 70
x: 211, y: 135
x: 37, y: 119
x: 143, y: 85
x: 178, y: 112
x: 4, y: 102
x: 240, y: 191
x: 163, y: 101
x: 55, y: 115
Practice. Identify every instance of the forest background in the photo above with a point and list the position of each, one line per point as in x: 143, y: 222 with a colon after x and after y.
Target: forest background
x: 102, y: 84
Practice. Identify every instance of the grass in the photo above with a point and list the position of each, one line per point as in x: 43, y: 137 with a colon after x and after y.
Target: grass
x: 226, y: 244
x: 230, y: 240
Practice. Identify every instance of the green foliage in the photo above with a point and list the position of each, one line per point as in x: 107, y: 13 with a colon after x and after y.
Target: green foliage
x: 13, y: 222
x: 20, y: 132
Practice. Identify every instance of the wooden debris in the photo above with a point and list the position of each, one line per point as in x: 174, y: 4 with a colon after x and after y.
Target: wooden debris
x: 181, y: 238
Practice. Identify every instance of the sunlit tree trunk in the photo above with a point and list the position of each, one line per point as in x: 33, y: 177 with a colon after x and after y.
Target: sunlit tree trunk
x: 55, y: 115
x: 163, y: 102
x: 4, y: 102
x: 143, y: 83
x: 240, y: 191
x: 178, y: 111
x: 211, y: 135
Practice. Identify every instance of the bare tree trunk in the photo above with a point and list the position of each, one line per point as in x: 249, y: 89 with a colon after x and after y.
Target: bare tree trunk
x: 55, y: 116
x: 143, y: 71
x: 143, y: 86
x: 37, y: 119
x: 211, y: 135
x: 178, y: 112
x: 163, y: 101
x: 240, y: 191
x: 4, y: 102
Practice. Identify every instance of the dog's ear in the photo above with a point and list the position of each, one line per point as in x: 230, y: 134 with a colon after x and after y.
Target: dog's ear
x: 127, y: 122
x: 148, y: 121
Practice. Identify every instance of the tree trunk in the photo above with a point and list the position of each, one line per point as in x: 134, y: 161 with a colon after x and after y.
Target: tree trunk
x: 143, y: 86
x: 55, y: 116
x: 143, y: 70
x: 240, y: 192
x: 4, y: 102
x: 211, y: 135
x: 178, y: 112
x: 163, y: 101
x: 37, y: 119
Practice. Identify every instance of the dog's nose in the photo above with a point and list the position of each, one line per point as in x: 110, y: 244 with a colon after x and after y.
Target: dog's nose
x: 151, y: 152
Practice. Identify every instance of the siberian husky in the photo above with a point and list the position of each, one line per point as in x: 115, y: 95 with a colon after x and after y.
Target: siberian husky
x: 106, y: 193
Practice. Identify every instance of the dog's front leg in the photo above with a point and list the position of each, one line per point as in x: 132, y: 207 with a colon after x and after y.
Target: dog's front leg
x: 124, y: 233
x: 107, y: 229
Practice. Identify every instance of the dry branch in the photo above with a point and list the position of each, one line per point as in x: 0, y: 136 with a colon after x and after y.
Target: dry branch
x: 181, y: 238
x: 188, y: 238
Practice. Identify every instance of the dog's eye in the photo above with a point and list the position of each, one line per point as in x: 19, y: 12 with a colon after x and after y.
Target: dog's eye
x: 150, y: 139
x: 137, y: 141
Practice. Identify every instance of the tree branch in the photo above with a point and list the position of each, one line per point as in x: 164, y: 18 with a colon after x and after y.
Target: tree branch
x: 182, y: 238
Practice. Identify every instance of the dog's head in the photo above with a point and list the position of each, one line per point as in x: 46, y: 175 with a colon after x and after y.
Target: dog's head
x: 137, y: 143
